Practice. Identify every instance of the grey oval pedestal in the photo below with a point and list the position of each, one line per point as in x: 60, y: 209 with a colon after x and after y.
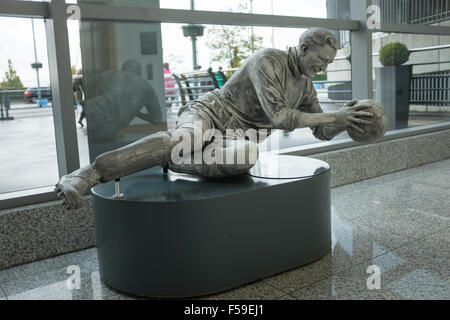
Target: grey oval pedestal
x: 178, y: 235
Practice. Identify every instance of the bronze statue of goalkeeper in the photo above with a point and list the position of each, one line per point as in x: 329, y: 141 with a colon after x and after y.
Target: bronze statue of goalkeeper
x: 271, y: 90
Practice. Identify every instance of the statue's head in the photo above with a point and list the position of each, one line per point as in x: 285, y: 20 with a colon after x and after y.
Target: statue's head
x: 133, y: 66
x: 317, y: 48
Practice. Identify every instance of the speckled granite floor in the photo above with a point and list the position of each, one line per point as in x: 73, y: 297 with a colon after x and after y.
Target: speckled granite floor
x: 398, y: 222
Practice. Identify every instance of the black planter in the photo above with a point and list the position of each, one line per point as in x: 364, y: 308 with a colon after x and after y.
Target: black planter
x: 392, y: 91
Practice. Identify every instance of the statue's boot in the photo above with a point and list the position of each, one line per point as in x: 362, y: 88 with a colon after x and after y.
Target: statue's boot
x: 143, y: 154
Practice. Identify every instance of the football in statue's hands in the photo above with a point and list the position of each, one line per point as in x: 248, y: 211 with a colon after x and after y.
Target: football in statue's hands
x: 378, y: 123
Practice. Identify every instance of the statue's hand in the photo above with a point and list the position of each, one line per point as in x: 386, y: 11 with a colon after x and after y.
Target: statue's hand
x: 348, y: 115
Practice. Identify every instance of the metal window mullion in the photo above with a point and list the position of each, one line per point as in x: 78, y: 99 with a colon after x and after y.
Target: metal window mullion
x: 417, y: 85
x: 446, y: 9
x: 61, y: 84
x: 361, y: 52
x: 28, y: 9
x: 424, y: 92
x: 417, y: 91
x: 429, y: 84
x: 434, y: 92
x: 430, y: 91
x: 415, y: 29
x: 415, y: 11
x: 447, y: 92
x: 97, y: 12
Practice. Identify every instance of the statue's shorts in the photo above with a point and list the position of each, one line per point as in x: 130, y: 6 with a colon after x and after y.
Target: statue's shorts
x: 196, y: 115
x: 211, y: 126
x: 210, y: 113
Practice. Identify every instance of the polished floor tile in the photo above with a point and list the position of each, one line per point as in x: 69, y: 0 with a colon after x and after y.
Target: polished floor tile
x: 302, y: 276
x: 363, y: 199
x: 434, y: 174
x: 57, y: 286
x: 443, y: 236
x: 355, y: 242
x: 420, y: 284
x: 401, y: 192
x: 436, y: 204
x: 345, y: 206
x: 341, y: 288
x: 429, y: 253
x: 260, y: 290
x: 406, y: 222
x: 52, y: 279
x: 398, y: 205
x: 85, y: 259
x: 418, y: 270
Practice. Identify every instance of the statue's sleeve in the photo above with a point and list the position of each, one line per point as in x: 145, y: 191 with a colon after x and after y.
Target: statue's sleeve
x: 312, y: 106
x: 265, y: 77
x: 319, y: 134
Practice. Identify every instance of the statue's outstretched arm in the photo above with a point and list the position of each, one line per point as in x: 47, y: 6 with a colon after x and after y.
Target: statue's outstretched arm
x: 265, y: 76
x: 347, y: 116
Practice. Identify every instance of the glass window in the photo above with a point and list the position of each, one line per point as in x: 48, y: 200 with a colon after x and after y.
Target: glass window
x: 28, y: 153
x: 301, y: 8
x: 122, y: 80
x: 417, y: 92
x: 413, y: 11
x: 73, y: 29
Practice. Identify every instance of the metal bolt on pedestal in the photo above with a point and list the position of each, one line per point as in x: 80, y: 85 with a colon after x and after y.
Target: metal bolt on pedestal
x: 117, y: 195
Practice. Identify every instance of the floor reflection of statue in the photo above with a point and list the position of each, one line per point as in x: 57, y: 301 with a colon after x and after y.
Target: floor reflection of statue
x: 120, y: 97
x: 271, y: 90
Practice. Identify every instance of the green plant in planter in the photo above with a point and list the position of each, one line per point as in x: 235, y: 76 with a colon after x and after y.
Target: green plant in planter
x: 393, y: 54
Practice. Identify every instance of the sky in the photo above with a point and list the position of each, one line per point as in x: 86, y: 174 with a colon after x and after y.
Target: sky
x: 16, y: 38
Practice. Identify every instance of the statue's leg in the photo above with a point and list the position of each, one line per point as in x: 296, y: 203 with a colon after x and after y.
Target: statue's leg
x: 222, y: 158
x: 145, y: 153
x: 142, y: 154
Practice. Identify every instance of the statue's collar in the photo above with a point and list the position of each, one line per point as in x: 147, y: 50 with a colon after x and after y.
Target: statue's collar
x: 293, y: 61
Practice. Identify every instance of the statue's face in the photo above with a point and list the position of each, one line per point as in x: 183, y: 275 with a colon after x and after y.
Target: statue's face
x: 314, y: 59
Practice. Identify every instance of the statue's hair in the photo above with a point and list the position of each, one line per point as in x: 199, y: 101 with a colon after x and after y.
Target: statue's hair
x: 319, y: 36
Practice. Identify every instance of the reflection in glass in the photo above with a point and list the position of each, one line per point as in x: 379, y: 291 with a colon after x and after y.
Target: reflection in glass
x: 123, y: 81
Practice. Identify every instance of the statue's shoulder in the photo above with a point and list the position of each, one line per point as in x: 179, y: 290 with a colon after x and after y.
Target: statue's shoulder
x: 272, y: 52
x: 271, y: 55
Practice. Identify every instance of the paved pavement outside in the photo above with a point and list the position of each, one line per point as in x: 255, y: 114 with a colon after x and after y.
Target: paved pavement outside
x: 28, y: 152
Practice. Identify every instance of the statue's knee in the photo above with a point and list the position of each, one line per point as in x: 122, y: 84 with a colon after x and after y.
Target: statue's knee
x: 153, y: 149
x: 252, y: 152
x: 100, y: 164
x: 246, y: 152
